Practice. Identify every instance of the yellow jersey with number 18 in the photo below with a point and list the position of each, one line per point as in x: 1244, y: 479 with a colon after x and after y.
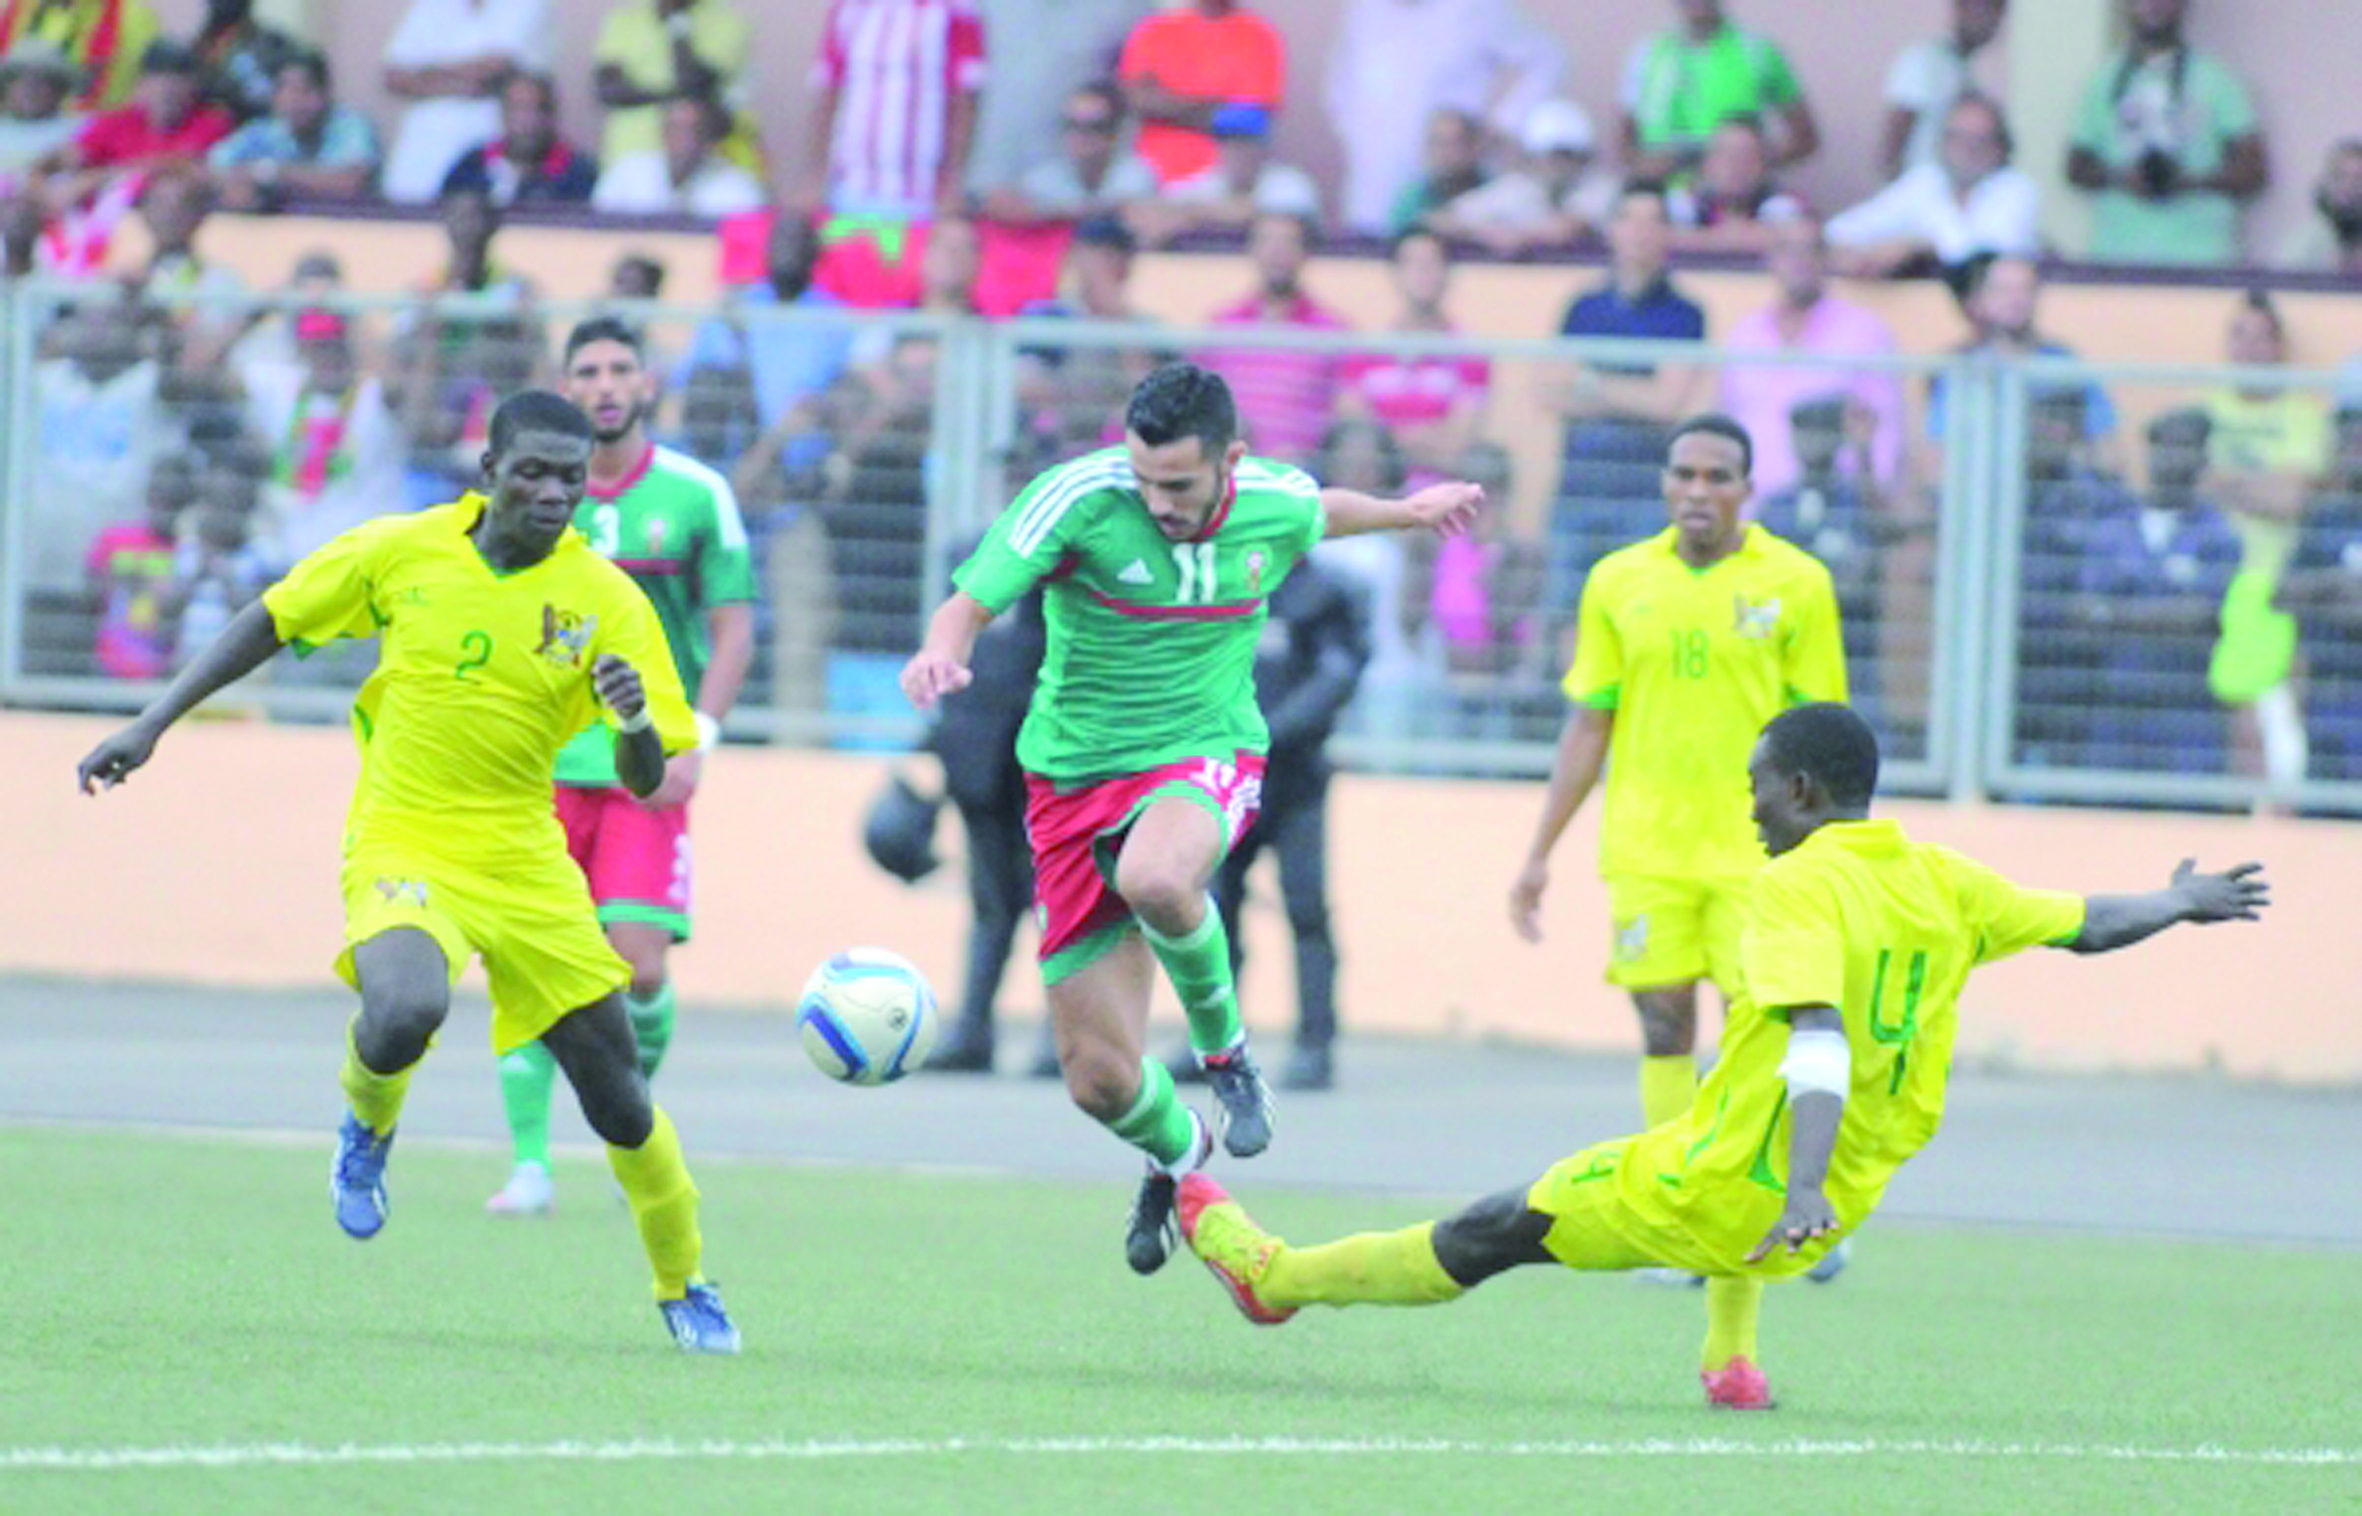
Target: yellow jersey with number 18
x: 1694, y: 662
x: 1886, y: 930
x: 481, y: 676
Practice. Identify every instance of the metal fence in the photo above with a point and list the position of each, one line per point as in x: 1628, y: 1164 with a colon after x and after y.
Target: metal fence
x: 2059, y: 582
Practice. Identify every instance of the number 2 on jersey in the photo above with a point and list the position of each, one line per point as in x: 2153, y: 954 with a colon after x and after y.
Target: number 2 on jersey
x: 1196, y: 562
x: 476, y: 648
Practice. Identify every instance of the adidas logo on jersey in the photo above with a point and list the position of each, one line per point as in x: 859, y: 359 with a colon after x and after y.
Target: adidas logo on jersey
x: 1136, y: 572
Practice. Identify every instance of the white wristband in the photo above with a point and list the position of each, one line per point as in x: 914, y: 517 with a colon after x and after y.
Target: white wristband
x: 1820, y: 1061
x: 639, y: 723
x: 709, y: 732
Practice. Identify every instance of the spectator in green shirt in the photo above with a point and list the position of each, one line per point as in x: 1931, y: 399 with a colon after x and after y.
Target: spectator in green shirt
x: 2168, y: 144
x: 1680, y: 85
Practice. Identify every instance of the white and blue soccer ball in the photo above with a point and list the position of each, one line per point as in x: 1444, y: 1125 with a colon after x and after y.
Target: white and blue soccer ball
x: 868, y: 1017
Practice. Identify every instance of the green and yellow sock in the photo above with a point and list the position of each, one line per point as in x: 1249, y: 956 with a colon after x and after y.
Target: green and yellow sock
x: 1371, y: 1268
x: 1198, y: 964
x: 652, y: 1023
x: 1668, y: 1085
x: 1732, y: 1305
x: 376, y: 1098
x: 655, y: 1180
x: 1158, y: 1123
x: 527, y: 1076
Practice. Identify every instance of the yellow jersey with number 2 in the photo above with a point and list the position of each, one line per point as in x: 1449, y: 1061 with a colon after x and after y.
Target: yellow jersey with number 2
x: 481, y: 676
x: 1884, y: 929
x: 1694, y: 662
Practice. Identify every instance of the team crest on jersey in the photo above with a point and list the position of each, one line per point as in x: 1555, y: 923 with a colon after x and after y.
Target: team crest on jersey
x: 1631, y: 939
x: 1758, y: 620
x: 653, y: 532
x: 565, y: 635
x: 1255, y: 562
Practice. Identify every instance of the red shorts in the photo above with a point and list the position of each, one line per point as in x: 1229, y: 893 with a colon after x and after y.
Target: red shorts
x: 636, y: 857
x: 1076, y: 831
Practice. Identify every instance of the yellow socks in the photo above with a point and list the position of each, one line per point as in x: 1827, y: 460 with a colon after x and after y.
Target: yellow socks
x: 1372, y: 1268
x: 664, y: 1202
x: 1732, y: 1305
x: 376, y: 1098
x: 1667, y: 1086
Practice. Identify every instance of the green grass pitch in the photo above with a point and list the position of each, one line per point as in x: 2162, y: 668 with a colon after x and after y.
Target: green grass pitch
x: 946, y: 1343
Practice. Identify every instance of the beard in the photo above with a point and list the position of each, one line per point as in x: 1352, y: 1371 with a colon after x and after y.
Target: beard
x: 631, y: 418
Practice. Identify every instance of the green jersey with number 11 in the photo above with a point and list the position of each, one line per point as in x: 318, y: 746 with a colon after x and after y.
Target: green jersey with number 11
x: 673, y: 525
x: 1151, y: 655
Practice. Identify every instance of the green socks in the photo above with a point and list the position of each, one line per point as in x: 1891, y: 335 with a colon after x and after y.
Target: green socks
x: 1199, y: 966
x: 652, y: 1023
x: 526, y: 1076
x: 1158, y: 1124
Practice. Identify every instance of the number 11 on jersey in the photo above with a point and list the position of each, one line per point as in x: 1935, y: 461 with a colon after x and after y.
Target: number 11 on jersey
x: 1196, y: 562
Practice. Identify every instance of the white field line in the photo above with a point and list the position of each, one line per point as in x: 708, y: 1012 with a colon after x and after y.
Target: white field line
x: 287, y: 1454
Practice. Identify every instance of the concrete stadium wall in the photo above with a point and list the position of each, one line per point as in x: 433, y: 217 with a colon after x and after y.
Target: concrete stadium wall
x: 217, y: 865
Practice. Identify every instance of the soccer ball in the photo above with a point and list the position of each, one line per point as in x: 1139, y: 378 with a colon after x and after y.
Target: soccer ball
x: 867, y: 1017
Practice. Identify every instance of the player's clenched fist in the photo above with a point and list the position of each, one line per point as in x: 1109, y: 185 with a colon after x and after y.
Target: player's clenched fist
x: 619, y: 687
x: 112, y: 761
x: 929, y: 677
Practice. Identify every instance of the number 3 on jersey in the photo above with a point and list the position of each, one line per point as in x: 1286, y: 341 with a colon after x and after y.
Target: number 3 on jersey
x: 1196, y: 562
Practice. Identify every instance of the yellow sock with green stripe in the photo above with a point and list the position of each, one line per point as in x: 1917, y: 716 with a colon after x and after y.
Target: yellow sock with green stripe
x: 1732, y: 1306
x: 664, y: 1203
x: 376, y: 1098
x: 1371, y: 1268
x: 1158, y: 1123
x: 1198, y: 963
x: 1668, y: 1085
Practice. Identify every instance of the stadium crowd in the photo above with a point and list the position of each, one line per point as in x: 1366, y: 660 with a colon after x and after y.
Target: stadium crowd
x: 2192, y: 597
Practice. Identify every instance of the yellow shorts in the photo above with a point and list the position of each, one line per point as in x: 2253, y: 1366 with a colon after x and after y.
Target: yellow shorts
x: 533, y: 923
x: 1675, y: 931
x: 1596, y: 1223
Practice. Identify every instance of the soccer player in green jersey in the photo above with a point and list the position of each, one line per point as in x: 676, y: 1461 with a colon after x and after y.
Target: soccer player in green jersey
x: 672, y: 524
x: 1143, y: 750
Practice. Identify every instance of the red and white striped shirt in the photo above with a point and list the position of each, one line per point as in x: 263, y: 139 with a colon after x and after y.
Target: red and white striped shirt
x: 896, y: 65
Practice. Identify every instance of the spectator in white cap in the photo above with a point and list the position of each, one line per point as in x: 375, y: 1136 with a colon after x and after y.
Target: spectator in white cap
x: 1244, y: 183
x: 36, y: 76
x: 1558, y: 197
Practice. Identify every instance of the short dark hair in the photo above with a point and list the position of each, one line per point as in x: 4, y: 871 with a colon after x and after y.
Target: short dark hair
x: 1182, y: 400
x: 1829, y: 744
x: 1653, y: 189
x: 1106, y: 231
x: 312, y: 62
x: 604, y: 329
x: 1715, y: 424
x: 2260, y: 301
x: 537, y: 411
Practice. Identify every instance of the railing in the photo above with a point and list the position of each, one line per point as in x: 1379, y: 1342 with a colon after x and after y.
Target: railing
x: 2021, y: 620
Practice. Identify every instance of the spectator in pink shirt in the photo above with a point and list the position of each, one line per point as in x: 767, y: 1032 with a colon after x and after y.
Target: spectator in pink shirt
x: 1806, y: 318
x: 1432, y: 404
x: 1285, y: 399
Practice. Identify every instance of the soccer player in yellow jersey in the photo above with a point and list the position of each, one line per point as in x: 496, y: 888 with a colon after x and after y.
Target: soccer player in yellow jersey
x: 1685, y: 645
x: 501, y: 634
x: 1856, y: 946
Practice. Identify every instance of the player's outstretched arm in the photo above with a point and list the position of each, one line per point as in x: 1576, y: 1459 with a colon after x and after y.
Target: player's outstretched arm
x: 245, y: 645
x: 1445, y: 509
x: 2115, y: 921
x: 1574, y: 771
x: 940, y: 666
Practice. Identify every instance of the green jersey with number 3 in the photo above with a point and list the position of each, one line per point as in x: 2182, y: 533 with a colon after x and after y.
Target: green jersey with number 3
x: 1151, y: 655
x: 673, y: 525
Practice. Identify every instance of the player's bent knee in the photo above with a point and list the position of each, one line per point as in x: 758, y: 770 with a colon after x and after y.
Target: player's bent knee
x: 1497, y: 1233
x: 1102, y: 1082
x: 618, y: 1109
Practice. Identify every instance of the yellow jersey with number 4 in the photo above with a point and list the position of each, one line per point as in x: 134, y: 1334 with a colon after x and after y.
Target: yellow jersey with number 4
x: 1694, y: 662
x: 1886, y: 930
x: 481, y: 676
